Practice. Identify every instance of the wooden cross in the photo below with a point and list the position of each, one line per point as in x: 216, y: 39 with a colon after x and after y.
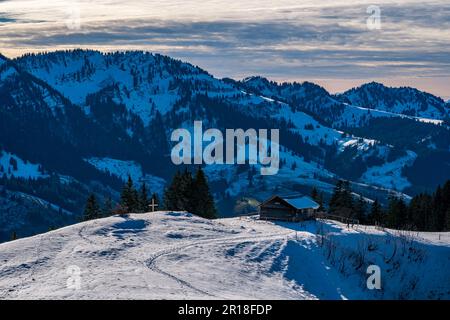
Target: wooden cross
x: 152, y: 205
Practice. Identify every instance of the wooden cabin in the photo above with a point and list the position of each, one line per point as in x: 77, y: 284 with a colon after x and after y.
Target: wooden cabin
x: 295, y: 209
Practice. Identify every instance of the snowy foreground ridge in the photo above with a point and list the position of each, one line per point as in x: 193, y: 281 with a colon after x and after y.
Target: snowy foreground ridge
x: 171, y: 255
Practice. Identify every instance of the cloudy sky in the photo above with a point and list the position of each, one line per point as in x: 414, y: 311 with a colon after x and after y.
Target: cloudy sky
x: 325, y: 41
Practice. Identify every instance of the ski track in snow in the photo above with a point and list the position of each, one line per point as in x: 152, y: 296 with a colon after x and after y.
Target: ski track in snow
x: 151, y: 263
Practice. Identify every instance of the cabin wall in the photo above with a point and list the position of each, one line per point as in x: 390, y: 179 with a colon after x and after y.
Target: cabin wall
x: 275, y: 213
x: 278, y: 211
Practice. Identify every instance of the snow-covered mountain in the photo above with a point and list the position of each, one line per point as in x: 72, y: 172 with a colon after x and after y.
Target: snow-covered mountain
x: 40, y: 125
x: 405, y: 118
x: 94, y: 118
x: 137, y: 87
x: 175, y: 255
x: 355, y: 107
x: 405, y: 100
x: 139, y: 80
x: 306, y: 96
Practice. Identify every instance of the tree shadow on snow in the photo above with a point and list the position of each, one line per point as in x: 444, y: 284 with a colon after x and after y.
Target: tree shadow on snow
x: 129, y: 226
x: 307, y: 226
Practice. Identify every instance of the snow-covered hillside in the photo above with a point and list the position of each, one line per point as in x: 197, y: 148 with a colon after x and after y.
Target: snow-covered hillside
x: 353, y: 116
x: 170, y: 255
x: 124, y: 169
x: 404, y: 100
x: 389, y: 175
x: 141, y: 81
x: 357, y: 106
x: 13, y: 166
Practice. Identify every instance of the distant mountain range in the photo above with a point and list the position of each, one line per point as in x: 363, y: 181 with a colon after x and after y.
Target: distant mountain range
x: 80, y: 121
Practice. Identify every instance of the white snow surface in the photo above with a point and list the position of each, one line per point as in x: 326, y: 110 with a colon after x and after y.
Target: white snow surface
x: 176, y: 255
x: 382, y: 113
x: 389, y: 175
x: 23, y: 169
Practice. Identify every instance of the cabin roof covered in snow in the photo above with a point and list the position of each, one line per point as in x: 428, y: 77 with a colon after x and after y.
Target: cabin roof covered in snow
x: 303, y: 202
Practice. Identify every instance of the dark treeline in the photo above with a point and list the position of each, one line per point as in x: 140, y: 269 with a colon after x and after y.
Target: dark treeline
x: 190, y: 193
x: 425, y: 212
x: 131, y: 201
x: 185, y: 193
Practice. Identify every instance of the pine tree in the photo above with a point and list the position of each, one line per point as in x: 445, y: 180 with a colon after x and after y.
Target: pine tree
x: 446, y: 195
x: 376, y: 213
x: 143, y: 199
x: 335, y: 200
x: 92, y: 209
x: 14, y: 236
x: 134, y: 200
x: 360, y: 209
x: 315, y: 194
x: 447, y: 220
x: 439, y: 210
x: 347, y: 200
x: 172, y: 192
x: 178, y: 196
x: 396, y: 213
x: 318, y: 197
x: 321, y: 202
x: 186, y: 192
x: 155, y: 198
x: 341, y: 202
x: 129, y: 197
x: 203, y: 202
x: 107, y: 209
x: 420, y: 211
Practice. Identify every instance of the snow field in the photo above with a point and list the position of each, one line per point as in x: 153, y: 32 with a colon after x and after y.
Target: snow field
x: 175, y: 255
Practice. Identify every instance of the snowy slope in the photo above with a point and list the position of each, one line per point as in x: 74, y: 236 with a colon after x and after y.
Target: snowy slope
x: 389, y: 175
x: 141, y: 81
x: 167, y: 255
x: 356, y: 106
x: 404, y: 100
x: 314, y: 132
x: 296, y: 171
x: 354, y: 116
x: 123, y: 169
x: 37, y: 95
x: 13, y: 166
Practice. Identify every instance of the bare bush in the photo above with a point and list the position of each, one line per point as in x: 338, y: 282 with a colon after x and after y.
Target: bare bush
x: 360, y: 255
